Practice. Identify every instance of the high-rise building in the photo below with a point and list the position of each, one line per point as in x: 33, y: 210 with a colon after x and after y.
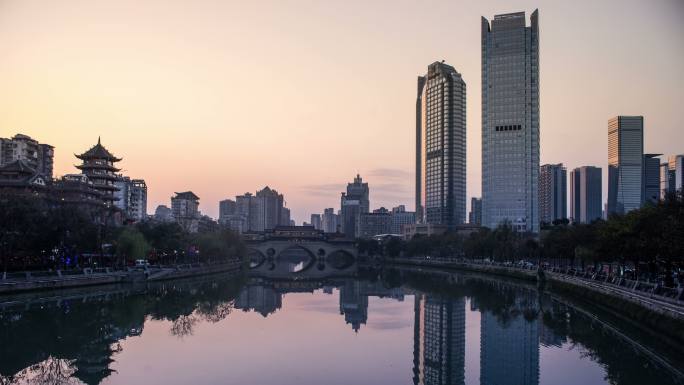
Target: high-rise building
x: 185, y: 210
x: 131, y: 197
x: 553, y: 193
x: 260, y: 212
x: 137, y: 209
x: 475, y: 215
x: 353, y: 304
x: 401, y: 218
x: 439, y: 341
x: 585, y: 194
x: 353, y: 203
x: 227, y: 208
x: 676, y: 166
x: 625, y: 163
x: 98, y: 166
x: 651, y: 178
x: 316, y: 221
x: 273, y: 203
x: 329, y: 220
x: 441, y: 146
x: 38, y: 156
x: 509, y: 351
x: 510, y: 121
x: 375, y: 223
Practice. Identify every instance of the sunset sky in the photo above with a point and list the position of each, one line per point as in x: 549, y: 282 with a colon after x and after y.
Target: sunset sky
x: 225, y: 97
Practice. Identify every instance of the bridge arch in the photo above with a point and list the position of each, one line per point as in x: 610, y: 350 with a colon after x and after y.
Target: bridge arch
x: 299, y: 257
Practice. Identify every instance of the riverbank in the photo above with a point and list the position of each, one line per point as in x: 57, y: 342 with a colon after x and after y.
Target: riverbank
x: 58, y: 280
x: 662, y: 315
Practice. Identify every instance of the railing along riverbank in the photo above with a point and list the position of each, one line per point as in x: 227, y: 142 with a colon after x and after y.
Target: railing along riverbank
x: 62, y: 279
x: 649, y: 295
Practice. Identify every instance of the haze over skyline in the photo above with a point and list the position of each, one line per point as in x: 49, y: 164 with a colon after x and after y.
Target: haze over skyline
x: 223, y: 98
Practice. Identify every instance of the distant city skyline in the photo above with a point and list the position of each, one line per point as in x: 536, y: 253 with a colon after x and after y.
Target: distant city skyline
x: 173, y: 91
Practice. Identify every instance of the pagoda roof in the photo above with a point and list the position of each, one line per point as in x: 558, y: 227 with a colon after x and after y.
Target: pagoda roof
x: 19, y: 166
x: 98, y: 151
x: 91, y: 166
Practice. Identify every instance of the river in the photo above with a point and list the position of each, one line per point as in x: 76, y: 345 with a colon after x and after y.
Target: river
x: 371, y: 327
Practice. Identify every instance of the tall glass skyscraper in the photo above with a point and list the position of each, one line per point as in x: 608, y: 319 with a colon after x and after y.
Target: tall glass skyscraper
x: 510, y: 121
x: 553, y: 193
x: 585, y: 194
x: 625, y: 163
x: 439, y: 341
x: 441, y: 147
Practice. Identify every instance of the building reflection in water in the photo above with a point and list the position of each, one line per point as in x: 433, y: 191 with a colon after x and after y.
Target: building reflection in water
x: 73, y: 340
x: 439, y: 341
x: 263, y: 299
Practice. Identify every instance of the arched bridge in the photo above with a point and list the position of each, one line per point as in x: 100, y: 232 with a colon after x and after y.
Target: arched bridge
x: 300, y: 251
x: 316, y: 249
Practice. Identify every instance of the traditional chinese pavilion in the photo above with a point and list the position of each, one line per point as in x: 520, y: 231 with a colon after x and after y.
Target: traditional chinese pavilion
x: 98, y: 166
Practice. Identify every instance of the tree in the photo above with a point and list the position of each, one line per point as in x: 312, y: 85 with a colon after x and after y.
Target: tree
x: 131, y: 245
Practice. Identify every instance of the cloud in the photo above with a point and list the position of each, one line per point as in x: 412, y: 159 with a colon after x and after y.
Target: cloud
x: 390, y: 173
x: 324, y: 189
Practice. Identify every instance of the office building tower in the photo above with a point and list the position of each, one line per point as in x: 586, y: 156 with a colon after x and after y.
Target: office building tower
x: 316, y: 221
x: 439, y: 341
x: 510, y: 121
x: 441, y: 147
x: 273, y: 204
x: 509, y: 352
x: 354, y: 202
x: 585, y: 194
x: 376, y: 223
x: 676, y: 166
x: 625, y: 163
x: 553, y: 193
x: 353, y: 304
x: 651, y: 178
x: 227, y: 208
x: 263, y: 211
x: 329, y: 220
x: 401, y: 218
x: 475, y: 215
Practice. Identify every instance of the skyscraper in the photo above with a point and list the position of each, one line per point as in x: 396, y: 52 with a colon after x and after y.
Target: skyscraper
x: 475, y: 216
x: 439, y: 341
x: 651, y: 178
x: 625, y: 163
x: 441, y: 146
x: 510, y: 121
x: 676, y: 166
x: 329, y: 220
x: 227, y: 208
x: 509, y: 351
x: 316, y: 221
x: 585, y: 194
x: 353, y: 203
x: 553, y: 193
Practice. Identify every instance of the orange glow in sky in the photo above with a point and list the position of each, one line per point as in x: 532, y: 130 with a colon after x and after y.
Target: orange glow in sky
x: 225, y: 97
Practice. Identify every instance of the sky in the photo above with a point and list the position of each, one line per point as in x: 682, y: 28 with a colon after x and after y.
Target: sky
x: 226, y: 97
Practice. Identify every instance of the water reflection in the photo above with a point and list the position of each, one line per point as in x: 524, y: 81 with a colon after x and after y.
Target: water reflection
x: 462, y: 329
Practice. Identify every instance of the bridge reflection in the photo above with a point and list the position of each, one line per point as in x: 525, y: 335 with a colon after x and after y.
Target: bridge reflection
x: 74, y: 338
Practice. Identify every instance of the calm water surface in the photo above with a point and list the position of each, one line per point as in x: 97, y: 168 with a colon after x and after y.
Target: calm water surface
x: 388, y: 327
